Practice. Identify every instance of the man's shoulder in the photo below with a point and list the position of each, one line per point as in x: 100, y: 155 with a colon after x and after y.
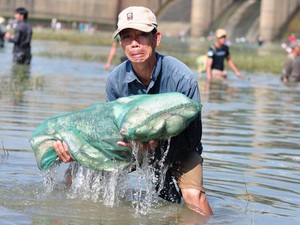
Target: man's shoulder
x: 176, y: 69
x: 223, y: 50
x: 225, y: 47
x: 211, y: 51
x: 23, y: 25
x: 167, y: 58
x: 172, y: 62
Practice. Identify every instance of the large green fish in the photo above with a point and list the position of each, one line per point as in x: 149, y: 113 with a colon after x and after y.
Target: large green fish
x: 92, y: 134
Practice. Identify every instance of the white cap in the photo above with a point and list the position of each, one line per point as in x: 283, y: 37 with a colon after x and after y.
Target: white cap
x: 136, y: 17
x: 220, y: 33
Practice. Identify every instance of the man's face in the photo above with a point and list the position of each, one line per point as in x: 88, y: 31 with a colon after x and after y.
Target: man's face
x: 19, y: 17
x: 222, y: 40
x: 139, y: 46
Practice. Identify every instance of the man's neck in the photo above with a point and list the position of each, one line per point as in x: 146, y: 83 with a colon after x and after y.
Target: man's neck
x: 144, y: 70
x: 218, y: 45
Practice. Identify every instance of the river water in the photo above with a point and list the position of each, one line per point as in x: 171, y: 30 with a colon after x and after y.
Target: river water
x: 250, y: 136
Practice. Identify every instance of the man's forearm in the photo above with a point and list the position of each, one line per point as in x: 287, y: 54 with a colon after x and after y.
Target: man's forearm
x: 208, y: 73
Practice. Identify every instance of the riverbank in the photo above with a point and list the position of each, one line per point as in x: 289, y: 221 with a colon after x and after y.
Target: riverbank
x: 247, y: 56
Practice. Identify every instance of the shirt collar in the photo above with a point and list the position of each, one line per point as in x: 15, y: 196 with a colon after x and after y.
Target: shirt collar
x: 130, y: 76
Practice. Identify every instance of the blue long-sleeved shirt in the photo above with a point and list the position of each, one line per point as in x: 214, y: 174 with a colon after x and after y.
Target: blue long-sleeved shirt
x: 169, y: 75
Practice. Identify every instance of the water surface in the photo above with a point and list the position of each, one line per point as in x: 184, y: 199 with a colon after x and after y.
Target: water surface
x: 250, y: 138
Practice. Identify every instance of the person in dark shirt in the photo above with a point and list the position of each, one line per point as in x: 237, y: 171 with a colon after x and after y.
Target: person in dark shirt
x: 21, y: 38
x: 216, y: 55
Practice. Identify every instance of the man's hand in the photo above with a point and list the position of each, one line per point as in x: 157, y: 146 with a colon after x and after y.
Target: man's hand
x: 62, y: 151
x: 107, y: 66
x: 284, y: 79
x: 239, y: 74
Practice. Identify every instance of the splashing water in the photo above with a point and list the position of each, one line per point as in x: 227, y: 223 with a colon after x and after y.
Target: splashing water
x: 144, y: 194
x: 110, y: 188
x: 150, y: 176
x: 49, y: 178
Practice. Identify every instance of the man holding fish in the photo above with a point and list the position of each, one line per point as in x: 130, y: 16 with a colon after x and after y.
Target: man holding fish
x: 148, y: 72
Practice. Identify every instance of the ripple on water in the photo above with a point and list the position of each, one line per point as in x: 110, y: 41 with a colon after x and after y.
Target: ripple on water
x: 250, y: 139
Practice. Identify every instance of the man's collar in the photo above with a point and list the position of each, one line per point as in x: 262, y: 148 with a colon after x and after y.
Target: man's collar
x: 130, y: 75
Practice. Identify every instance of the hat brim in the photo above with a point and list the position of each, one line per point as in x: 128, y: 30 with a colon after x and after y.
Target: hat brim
x: 141, y: 27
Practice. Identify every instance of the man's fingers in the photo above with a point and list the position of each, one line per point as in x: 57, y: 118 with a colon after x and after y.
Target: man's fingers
x: 65, y: 148
x: 124, y: 144
x: 68, y: 156
x: 62, y: 151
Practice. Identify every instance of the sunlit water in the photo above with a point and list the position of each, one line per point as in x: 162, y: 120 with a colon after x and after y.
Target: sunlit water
x: 251, y: 151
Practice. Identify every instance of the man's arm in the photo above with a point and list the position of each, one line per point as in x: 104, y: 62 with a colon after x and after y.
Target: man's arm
x: 233, y: 67
x: 111, y: 55
x: 209, y: 62
x: 14, y: 38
